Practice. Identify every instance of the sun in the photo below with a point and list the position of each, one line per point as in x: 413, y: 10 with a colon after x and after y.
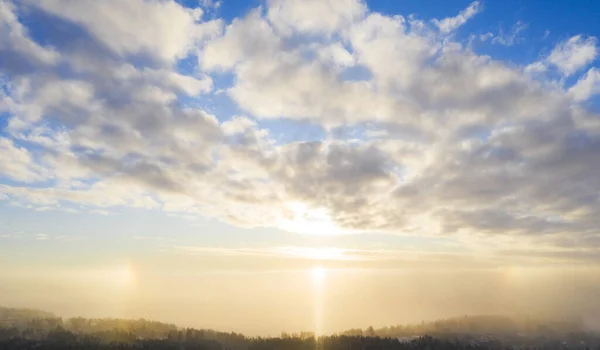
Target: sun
x: 318, y: 274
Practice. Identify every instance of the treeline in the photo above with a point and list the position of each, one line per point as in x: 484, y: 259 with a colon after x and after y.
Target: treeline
x: 141, y: 334
x: 8, y: 315
x: 62, y: 339
x: 29, y: 329
x: 481, y: 324
x: 119, y: 333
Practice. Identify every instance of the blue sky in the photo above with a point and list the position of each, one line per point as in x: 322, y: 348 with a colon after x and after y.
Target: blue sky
x: 428, y: 126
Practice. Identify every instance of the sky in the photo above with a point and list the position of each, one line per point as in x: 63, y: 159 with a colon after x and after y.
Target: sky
x: 283, y: 165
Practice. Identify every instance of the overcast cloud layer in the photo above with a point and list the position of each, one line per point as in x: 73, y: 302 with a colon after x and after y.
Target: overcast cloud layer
x: 422, y: 135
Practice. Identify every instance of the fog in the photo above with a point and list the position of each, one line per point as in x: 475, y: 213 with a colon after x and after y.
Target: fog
x: 318, y: 297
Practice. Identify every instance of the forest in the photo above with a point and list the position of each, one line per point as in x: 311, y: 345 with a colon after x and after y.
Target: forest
x: 34, y: 329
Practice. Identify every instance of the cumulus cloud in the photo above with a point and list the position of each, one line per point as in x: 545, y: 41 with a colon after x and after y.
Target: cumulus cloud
x: 416, y: 134
x: 248, y: 37
x: 289, y: 16
x: 163, y: 29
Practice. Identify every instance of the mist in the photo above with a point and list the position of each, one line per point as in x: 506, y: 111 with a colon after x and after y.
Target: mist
x: 267, y: 302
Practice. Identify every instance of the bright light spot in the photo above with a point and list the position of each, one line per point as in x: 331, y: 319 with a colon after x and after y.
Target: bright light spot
x: 122, y: 275
x: 512, y: 273
x: 315, y: 221
x: 318, y: 274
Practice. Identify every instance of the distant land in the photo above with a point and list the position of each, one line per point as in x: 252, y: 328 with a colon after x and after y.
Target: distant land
x: 36, y: 329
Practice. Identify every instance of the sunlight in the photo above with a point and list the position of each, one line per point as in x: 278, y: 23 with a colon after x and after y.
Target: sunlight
x: 122, y: 276
x: 318, y: 274
x: 314, y: 221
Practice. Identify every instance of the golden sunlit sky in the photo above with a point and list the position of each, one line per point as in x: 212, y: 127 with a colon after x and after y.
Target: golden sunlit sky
x: 300, y: 165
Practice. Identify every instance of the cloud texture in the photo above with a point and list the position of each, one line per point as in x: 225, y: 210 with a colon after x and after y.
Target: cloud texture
x: 416, y: 132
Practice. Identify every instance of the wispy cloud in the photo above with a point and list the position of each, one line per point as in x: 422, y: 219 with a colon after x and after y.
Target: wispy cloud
x: 500, y: 255
x: 449, y: 24
x: 307, y: 253
x: 511, y: 38
x: 147, y: 238
x: 569, y: 56
x: 41, y: 237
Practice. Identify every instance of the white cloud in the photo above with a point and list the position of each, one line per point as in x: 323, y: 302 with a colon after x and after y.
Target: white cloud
x: 314, y: 16
x: 147, y: 238
x: 335, y: 55
x: 569, y: 56
x: 391, y: 50
x: 450, y: 24
x: 164, y: 29
x: 286, y: 85
x: 10, y: 235
x: 17, y: 163
x: 238, y: 125
x: 41, y: 237
x: 574, y: 54
x: 244, y: 38
x: 587, y: 86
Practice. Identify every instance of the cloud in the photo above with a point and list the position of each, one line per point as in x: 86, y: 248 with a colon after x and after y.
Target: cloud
x: 306, y: 253
x: 144, y: 238
x: 450, y: 24
x: 501, y: 256
x: 17, y: 163
x: 214, y: 4
x: 18, y: 51
x: 323, y: 254
x: 288, y: 16
x: 511, y: 38
x: 574, y: 54
x: 41, y: 237
x: 415, y: 133
x: 13, y: 235
x: 587, y: 86
x: 244, y: 38
x: 569, y: 56
x: 162, y: 29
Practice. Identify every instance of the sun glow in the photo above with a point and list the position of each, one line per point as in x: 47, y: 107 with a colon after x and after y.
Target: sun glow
x: 300, y: 218
x: 319, y: 275
x: 123, y: 276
